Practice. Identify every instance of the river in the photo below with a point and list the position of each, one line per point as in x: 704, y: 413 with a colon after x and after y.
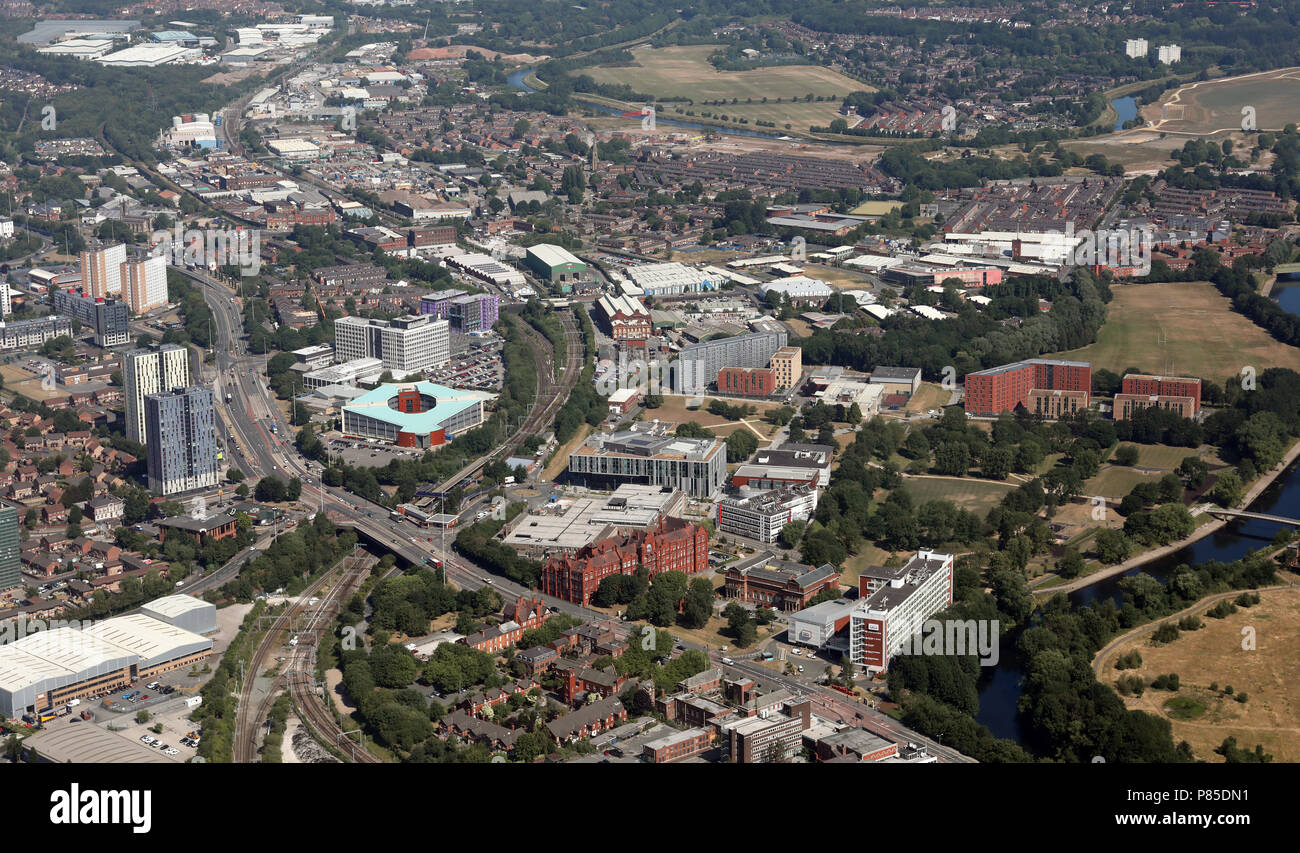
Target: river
x: 998, y: 695
x: 1125, y: 110
x: 1287, y: 293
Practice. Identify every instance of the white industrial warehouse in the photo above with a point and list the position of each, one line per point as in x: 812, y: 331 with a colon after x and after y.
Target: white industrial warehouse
x: 49, y: 668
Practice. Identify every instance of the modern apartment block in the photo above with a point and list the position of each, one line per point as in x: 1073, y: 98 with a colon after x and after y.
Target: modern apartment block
x: 1143, y: 391
x: 438, y: 303
x: 148, y: 371
x: 473, y: 312
x: 1001, y: 389
x: 406, y: 345
x: 747, y: 381
x: 788, y: 364
x: 29, y: 334
x: 101, y: 270
x: 181, y: 440
x: 107, y: 318
x: 698, y: 365
x: 1169, y: 54
x: 10, y: 560
x: 1135, y: 48
x: 697, y: 466
x: 144, y: 283
x: 761, y: 515
x: 893, y: 605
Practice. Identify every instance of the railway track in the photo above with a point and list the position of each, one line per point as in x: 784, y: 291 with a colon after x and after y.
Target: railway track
x: 249, y: 718
x: 312, y: 707
x: 551, y: 394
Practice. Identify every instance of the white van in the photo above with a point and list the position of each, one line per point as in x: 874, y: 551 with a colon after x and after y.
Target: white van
x: 728, y: 661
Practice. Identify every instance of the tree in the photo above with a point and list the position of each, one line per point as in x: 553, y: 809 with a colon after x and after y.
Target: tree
x: 1112, y: 546
x: 1071, y: 564
x: 952, y: 458
x: 531, y: 746
x: 1126, y: 455
x: 741, y: 444
x: 698, y: 605
x: 1228, y: 490
x: 791, y: 533
x: 271, y: 490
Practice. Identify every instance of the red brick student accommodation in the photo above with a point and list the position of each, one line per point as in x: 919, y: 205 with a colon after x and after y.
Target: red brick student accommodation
x: 674, y: 545
x: 1140, y: 391
x: 1001, y: 389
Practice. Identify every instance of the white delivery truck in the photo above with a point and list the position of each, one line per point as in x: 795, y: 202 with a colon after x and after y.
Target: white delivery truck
x: 193, y: 701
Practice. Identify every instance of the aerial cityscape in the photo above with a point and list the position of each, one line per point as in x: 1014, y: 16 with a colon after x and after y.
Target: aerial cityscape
x: 489, y: 381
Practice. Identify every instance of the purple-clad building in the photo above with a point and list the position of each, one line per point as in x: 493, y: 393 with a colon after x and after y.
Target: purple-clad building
x: 475, y: 312
x: 439, y: 303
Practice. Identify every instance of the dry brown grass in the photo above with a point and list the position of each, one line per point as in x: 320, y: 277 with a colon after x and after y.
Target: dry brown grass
x: 1202, y: 335
x: 1268, y: 675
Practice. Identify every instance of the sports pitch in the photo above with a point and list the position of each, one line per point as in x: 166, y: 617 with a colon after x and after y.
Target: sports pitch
x: 1186, y: 328
x: 685, y: 72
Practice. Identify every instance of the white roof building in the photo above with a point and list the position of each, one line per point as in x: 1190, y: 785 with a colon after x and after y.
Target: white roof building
x: 149, y: 55
x: 671, y: 278
x: 873, y: 262
x: 183, y: 611
x: 62, y: 657
x: 798, y: 287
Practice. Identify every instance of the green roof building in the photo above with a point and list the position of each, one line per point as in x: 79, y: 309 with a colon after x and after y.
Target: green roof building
x: 554, y: 263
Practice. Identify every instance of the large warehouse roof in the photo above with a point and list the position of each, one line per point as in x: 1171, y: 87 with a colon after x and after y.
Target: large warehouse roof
x: 184, y: 611
x: 19, y: 670
x: 75, y: 651
x: 145, y: 636
x: 554, y: 256
x: 91, y: 744
x: 51, y: 659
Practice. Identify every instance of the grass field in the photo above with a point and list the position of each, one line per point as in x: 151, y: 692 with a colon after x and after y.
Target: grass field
x: 928, y: 396
x: 1184, y: 328
x: 1267, y: 674
x: 685, y: 72
x: 870, y: 555
x: 1135, y: 151
x: 1214, y: 106
x: 23, y: 381
x: 1117, y: 481
x: 840, y: 279
x: 674, y: 410
x: 978, y: 496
